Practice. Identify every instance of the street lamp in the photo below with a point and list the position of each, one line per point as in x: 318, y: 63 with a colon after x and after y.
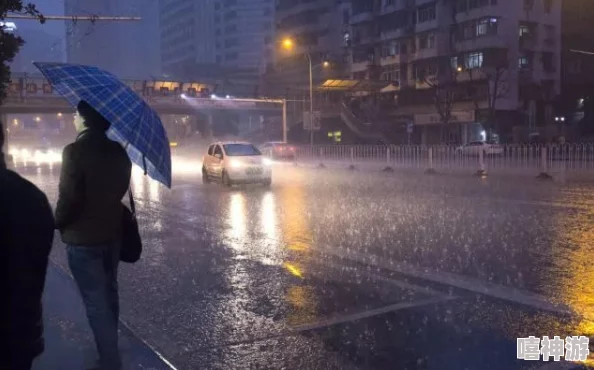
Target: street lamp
x: 289, y: 44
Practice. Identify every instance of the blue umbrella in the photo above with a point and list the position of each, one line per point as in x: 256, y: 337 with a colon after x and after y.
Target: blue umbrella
x: 134, y: 123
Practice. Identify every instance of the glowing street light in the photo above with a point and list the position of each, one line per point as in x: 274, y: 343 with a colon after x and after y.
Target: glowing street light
x: 326, y: 64
x: 15, y: 122
x: 288, y: 43
x: 59, y: 114
x: 37, y: 119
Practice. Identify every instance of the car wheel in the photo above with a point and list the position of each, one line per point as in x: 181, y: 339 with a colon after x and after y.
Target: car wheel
x: 226, y: 180
x: 205, y: 178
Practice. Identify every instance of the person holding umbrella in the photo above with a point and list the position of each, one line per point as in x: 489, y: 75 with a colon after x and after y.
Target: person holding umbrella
x: 26, y: 236
x: 94, y: 178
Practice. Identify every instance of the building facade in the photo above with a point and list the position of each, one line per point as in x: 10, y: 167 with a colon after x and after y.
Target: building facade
x: 129, y: 49
x: 318, y: 28
x: 462, y: 64
x: 228, y: 38
x: 187, y: 34
x: 576, y: 105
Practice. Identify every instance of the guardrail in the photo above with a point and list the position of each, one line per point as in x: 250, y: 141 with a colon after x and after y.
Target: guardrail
x: 541, y: 159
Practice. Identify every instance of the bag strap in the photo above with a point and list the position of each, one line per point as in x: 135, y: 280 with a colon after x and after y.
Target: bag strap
x: 131, y: 198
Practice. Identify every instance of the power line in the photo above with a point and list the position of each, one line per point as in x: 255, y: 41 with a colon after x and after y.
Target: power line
x: 582, y: 52
x: 74, y: 18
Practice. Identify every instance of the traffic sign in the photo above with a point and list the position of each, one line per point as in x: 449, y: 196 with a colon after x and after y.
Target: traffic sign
x: 317, y: 121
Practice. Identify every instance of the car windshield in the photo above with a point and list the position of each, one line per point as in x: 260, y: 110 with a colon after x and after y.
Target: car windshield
x: 237, y: 150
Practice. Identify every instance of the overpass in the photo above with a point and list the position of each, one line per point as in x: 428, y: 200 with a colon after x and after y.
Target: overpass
x: 32, y: 94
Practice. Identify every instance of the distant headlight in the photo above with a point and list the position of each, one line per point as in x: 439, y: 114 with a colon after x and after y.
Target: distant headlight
x: 235, y: 163
x: 266, y: 162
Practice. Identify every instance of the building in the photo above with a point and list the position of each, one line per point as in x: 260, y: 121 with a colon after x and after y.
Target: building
x: 576, y: 106
x: 129, y: 49
x: 318, y: 28
x: 187, y: 34
x: 244, y: 31
x: 462, y: 70
x: 221, y: 39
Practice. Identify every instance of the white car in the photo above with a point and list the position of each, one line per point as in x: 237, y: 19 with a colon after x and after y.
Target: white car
x: 476, y: 147
x: 236, y: 162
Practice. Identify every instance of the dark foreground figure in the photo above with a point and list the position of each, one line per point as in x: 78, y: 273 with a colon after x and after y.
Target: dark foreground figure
x: 26, y: 236
x: 95, y: 176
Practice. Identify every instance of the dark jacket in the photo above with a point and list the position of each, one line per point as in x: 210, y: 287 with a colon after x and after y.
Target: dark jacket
x: 26, y: 236
x: 95, y: 177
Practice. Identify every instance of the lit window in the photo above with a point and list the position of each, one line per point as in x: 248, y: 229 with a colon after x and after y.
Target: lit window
x: 454, y: 62
x: 523, y: 63
x: 474, y: 60
x: 524, y: 30
x: 487, y: 26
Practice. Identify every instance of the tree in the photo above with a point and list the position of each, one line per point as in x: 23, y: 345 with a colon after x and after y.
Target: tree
x: 444, y: 81
x: 490, y: 85
x: 443, y: 87
x: 9, y: 42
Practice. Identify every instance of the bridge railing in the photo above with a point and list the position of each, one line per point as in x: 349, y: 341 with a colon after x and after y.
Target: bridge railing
x: 508, y: 158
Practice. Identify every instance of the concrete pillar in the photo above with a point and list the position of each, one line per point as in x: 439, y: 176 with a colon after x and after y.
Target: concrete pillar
x: 210, y: 120
x: 5, y: 127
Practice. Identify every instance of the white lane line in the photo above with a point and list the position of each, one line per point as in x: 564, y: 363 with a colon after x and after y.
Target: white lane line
x: 333, y: 320
x: 399, y: 283
x: 341, y: 319
x: 515, y: 295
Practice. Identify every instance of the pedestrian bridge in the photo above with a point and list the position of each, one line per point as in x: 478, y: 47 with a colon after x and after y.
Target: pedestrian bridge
x: 34, y: 95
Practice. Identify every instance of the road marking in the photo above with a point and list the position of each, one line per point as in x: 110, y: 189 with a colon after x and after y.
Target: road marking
x: 341, y: 319
x: 333, y: 320
x: 399, y: 283
x: 515, y: 295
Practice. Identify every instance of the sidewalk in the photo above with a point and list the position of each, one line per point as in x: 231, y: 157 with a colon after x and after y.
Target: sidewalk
x: 68, y: 340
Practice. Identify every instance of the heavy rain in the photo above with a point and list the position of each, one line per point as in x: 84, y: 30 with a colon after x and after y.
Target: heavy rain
x: 375, y: 193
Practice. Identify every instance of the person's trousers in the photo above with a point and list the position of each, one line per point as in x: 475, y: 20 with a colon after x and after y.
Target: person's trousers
x: 95, y: 270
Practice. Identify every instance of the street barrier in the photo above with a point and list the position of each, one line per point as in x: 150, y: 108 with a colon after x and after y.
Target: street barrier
x: 544, y: 161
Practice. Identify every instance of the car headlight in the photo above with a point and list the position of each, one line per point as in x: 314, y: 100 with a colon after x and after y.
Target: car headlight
x: 266, y: 162
x: 234, y: 163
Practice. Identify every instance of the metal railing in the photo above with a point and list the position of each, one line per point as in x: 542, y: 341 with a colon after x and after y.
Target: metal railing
x: 535, y: 158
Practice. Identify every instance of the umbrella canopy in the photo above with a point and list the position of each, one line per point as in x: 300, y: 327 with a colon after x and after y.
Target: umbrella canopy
x: 134, y: 123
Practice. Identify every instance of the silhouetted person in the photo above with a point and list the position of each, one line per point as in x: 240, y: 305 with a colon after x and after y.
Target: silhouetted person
x: 95, y: 177
x: 26, y: 236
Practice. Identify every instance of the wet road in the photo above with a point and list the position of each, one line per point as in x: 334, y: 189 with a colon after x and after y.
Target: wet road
x: 341, y: 270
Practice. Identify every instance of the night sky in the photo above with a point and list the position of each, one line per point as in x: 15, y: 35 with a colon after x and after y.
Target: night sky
x: 47, y: 7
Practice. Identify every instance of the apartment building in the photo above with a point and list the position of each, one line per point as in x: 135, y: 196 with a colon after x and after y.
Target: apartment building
x: 498, y: 61
x: 187, y: 30
x: 318, y: 28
